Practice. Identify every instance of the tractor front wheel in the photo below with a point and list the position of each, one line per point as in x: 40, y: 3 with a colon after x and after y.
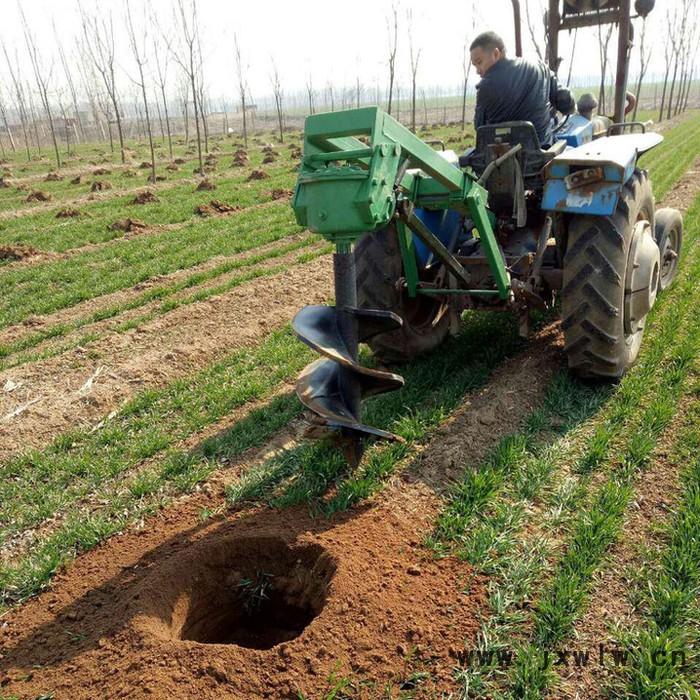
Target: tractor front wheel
x: 611, y: 275
x: 425, y: 322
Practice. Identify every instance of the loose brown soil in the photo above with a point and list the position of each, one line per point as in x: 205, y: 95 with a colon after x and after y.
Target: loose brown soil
x: 69, y: 213
x: 215, y: 207
x: 53, y: 177
x: 170, y: 611
x: 258, y: 175
x: 17, y: 252
x: 39, y: 196
x: 145, y: 197
x: 127, y: 225
x: 89, y: 306
x: 280, y: 193
x: 100, y: 186
x: 205, y: 186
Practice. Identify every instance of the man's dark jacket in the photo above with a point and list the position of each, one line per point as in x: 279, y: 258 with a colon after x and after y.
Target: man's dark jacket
x: 518, y: 90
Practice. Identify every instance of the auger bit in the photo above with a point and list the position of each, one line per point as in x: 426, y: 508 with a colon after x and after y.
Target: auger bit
x: 334, y: 386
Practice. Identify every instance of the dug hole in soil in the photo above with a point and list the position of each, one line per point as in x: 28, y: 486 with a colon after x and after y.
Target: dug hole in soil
x: 265, y: 605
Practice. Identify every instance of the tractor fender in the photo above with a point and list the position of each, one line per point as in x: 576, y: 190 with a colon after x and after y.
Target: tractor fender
x: 588, y: 179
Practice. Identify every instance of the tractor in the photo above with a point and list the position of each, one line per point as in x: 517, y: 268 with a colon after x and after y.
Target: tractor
x: 421, y: 235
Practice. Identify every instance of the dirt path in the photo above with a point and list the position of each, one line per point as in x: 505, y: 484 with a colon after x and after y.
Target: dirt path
x: 54, y: 391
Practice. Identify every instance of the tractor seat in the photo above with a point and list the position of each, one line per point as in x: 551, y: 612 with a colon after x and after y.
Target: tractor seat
x: 498, y: 138
x: 523, y: 172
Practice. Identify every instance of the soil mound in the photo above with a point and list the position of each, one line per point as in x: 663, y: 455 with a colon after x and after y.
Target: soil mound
x: 265, y: 605
x: 77, y: 180
x: 53, y: 177
x: 144, y: 197
x: 100, y: 185
x: 127, y: 225
x: 17, y: 252
x: 205, y: 185
x: 172, y: 168
x: 101, y: 171
x: 68, y: 213
x: 179, y: 161
x: 281, y: 193
x: 145, y: 164
x: 258, y: 175
x: 215, y: 207
x: 39, y: 196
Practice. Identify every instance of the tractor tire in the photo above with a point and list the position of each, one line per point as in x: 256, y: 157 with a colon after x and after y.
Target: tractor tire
x: 379, y: 267
x: 601, y: 337
x: 668, y: 232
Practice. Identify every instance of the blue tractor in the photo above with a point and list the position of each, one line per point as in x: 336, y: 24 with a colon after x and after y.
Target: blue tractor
x: 422, y: 235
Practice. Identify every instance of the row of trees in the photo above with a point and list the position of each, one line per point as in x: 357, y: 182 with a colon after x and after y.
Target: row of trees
x: 168, y: 86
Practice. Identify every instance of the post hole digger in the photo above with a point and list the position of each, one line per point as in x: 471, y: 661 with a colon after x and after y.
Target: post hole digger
x: 421, y: 235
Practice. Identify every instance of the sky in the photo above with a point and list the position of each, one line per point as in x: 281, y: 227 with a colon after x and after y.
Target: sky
x: 312, y: 39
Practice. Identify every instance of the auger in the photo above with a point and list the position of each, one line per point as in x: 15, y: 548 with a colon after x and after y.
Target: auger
x: 421, y: 235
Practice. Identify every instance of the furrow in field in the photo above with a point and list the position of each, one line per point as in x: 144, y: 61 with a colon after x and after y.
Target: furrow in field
x: 40, y: 329
x: 150, y: 355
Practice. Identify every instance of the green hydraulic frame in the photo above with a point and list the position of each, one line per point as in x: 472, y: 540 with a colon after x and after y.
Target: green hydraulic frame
x: 347, y: 187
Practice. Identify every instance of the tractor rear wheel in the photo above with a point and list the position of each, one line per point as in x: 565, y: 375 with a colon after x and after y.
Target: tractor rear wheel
x: 611, y: 272
x: 379, y: 267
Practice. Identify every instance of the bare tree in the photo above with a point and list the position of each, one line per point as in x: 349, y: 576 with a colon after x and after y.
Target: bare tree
x: 162, y: 78
x: 358, y: 85
x: 3, y: 114
x: 466, y: 69
x: 541, y: 52
x: 331, y: 95
x: 98, y: 38
x: 668, y: 58
x: 688, y: 48
x: 415, y: 57
x: 676, y: 36
x: 69, y: 81
x: 242, y: 86
x: 310, y: 93
x: 138, y: 48
x: 644, y: 58
x: 190, y: 59
x: 43, y: 78
x: 184, y: 94
x: 604, y: 42
x: 279, y: 96
x: 571, y: 60
x: 393, y: 29
x: 19, y: 97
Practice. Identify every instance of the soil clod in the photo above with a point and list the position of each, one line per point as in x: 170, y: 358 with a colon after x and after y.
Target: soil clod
x: 144, y: 197
x: 258, y: 175
x: 39, y: 196
x: 205, y: 185
x: 127, y: 225
x: 17, y: 252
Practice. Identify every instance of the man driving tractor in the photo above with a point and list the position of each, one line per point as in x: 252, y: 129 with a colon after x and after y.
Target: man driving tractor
x: 515, y: 89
